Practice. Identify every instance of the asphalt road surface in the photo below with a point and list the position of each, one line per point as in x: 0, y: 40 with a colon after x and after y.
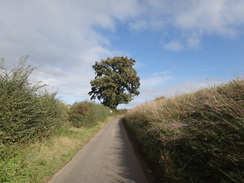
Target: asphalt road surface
x: 107, y: 158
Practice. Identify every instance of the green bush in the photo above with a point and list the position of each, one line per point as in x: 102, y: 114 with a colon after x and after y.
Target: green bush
x: 28, y: 114
x: 25, y: 111
x: 87, y: 113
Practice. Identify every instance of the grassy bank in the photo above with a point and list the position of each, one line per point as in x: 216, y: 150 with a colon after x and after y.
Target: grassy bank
x: 36, y: 158
x: 37, y: 161
x: 194, y: 137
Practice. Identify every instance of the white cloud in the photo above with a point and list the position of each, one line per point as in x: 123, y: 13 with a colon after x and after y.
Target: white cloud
x: 174, y: 46
x: 161, y: 73
x: 211, y: 17
x: 138, y: 25
x: 157, y: 79
x: 193, y: 20
x: 154, y: 81
x: 193, y: 41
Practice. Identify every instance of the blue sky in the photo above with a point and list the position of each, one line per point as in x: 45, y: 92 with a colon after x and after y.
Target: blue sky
x: 180, y: 46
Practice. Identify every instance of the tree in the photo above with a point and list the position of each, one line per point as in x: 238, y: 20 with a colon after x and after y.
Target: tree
x: 116, y: 81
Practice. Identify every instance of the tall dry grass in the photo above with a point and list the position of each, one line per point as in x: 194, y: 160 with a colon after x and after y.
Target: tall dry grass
x: 194, y: 137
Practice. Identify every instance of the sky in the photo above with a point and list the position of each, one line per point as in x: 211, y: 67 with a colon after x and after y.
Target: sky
x: 179, y: 46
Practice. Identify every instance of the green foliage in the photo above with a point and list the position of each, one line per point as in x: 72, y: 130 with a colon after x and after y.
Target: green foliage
x: 24, y: 111
x: 194, y: 137
x: 87, y: 114
x: 119, y: 112
x: 116, y: 81
x: 31, y: 119
x: 36, y: 161
x: 12, y: 164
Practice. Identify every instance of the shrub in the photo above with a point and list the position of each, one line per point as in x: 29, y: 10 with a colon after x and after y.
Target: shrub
x: 25, y: 111
x: 87, y: 113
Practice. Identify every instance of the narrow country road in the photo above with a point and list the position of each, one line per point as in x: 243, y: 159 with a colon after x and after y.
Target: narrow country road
x: 107, y: 158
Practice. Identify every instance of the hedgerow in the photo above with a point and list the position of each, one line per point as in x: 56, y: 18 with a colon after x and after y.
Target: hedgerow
x: 31, y: 118
x: 25, y: 111
x: 193, y: 138
x: 87, y: 113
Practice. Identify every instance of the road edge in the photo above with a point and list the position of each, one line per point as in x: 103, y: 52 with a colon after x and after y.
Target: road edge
x: 146, y: 167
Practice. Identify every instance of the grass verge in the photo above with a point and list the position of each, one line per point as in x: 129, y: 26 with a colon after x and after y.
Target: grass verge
x: 38, y: 161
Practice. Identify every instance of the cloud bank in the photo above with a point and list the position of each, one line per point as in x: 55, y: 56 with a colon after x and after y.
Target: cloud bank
x: 191, y: 20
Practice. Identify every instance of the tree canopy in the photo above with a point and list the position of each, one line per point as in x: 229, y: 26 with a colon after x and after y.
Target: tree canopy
x: 116, y: 81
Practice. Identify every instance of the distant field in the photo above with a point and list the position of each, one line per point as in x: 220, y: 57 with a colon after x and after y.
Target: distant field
x: 194, y: 137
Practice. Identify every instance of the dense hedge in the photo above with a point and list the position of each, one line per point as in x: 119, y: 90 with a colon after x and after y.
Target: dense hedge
x: 25, y: 111
x: 87, y: 113
x: 29, y: 114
